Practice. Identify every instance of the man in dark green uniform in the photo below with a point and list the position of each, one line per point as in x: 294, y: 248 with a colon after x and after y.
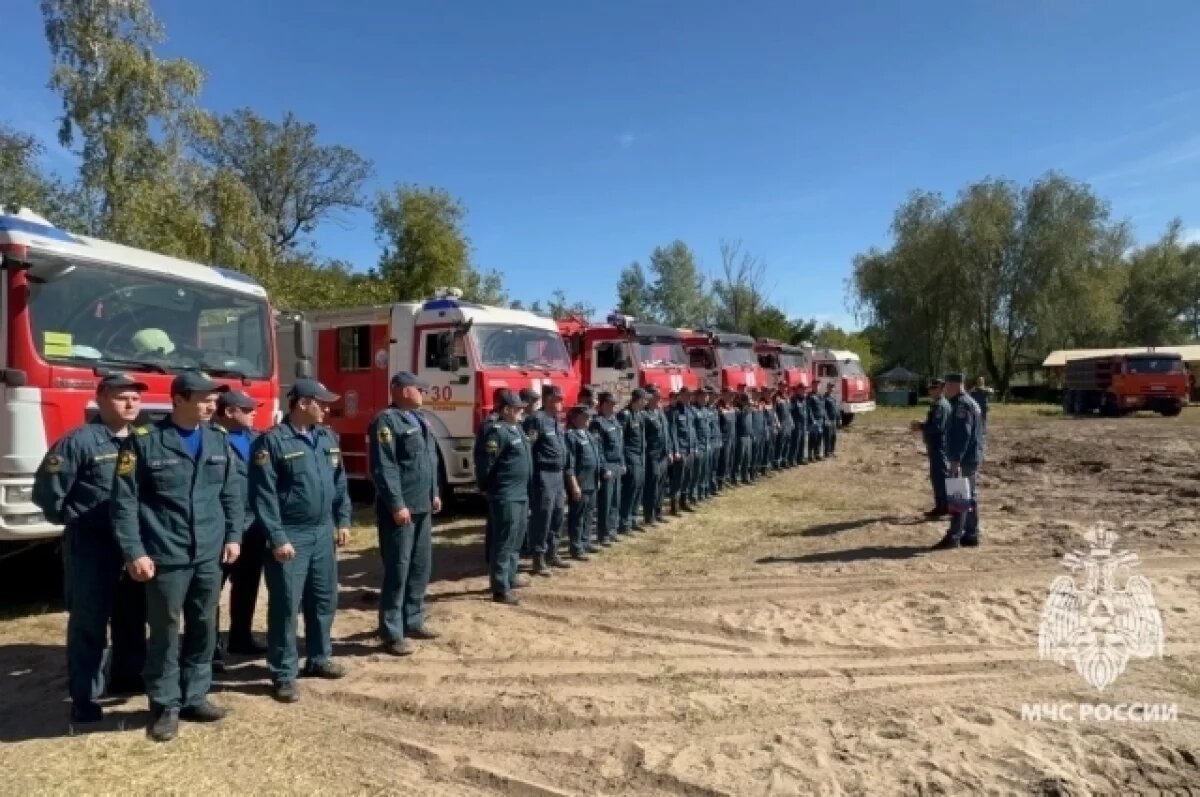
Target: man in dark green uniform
x: 548, y: 497
x: 612, y: 448
x: 235, y: 415
x: 633, y: 439
x: 743, y: 435
x: 698, y: 487
x: 583, y: 472
x: 799, y: 427
x: 983, y: 397
x: 679, y: 417
x: 504, y: 470
x: 177, y: 512
x: 962, y: 456
x: 816, y: 425
x: 833, y: 417
x: 300, y: 498
x: 783, y: 444
x: 660, y: 451
x: 404, y: 463
x: 716, y: 446
x: 480, y: 436
x: 73, y: 487
x: 933, y: 429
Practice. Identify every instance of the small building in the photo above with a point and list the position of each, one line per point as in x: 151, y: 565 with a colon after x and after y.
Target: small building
x: 1055, y: 363
x: 897, y: 387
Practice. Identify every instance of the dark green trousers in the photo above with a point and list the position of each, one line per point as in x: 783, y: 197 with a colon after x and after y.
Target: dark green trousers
x: 407, y: 553
x: 179, y: 674
x: 308, y: 584
x: 510, y: 518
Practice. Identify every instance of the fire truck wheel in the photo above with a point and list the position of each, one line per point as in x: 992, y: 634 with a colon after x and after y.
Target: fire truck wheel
x: 1172, y: 412
x: 847, y: 417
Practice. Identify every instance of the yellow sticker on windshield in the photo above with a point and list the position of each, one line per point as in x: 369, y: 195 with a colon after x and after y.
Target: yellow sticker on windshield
x: 56, y: 344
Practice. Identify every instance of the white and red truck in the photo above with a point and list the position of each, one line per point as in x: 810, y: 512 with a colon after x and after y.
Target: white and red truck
x: 464, y: 350
x: 625, y: 353
x: 73, y: 308
x: 785, y: 366
x: 723, y: 360
x: 844, y: 370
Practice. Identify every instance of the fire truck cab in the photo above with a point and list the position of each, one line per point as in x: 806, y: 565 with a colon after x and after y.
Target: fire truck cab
x: 465, y: 351
x: 74, y: 308
x: 785, y: 366
x: 723, y: 360
x: 844, y: 370
x: 624, y: 354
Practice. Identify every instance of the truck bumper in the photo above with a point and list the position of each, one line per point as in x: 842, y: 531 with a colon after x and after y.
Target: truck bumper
x: 857, y: 407
x: 20, y: 519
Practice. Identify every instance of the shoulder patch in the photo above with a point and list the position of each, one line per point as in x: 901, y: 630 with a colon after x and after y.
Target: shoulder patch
x: 141, y: 431
x: 219, y: 428
x: 53, y: 463
x: 125, y: 463
x: 532, y: 433
x: 492, y: 445
x: 262, y: 457
x: 385, y: 433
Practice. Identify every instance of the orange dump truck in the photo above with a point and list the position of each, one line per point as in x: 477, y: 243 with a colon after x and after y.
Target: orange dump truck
x: 1118, y: 384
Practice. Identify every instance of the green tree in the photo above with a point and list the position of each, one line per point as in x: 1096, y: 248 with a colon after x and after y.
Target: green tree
x: 634, y: 296
x: 115, y: 91
x: 23, y: 183
x: 678, y: 295
x: 1155, y: 302
x: 560, y: 307
x: 296, y: 181
x: 738, y: 293
x: 425, y: 246
x: 770, y: 322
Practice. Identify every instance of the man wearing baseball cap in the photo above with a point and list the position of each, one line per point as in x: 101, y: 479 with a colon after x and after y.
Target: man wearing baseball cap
x: 608, y: 503
x: 933, y: 430
x: 177, y: 513
x: 660, y: 450
x: 503, y: 470
x: 404, y: 468
x: 963, y: 449
x: 547, y: 444
x: 299, y: 493
x: 72, y: 487
x: 683, y: 433
x: 235, y: 416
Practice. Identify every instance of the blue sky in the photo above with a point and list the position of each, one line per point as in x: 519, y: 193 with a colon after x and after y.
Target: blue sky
x: 582, y: 134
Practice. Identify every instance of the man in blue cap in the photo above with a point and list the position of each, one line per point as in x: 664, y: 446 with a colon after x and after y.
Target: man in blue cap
x: 548, y: 497
x: 404, y: 467
x: 300, y: 498
x: 177, y: 513
x: 962, y: 457
x: 235, y: 416
x: 504, y: 470
x: 72, y: 487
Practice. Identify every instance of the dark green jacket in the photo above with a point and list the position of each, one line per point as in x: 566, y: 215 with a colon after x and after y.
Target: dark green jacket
x: 633, y: 434
x: 404, y: 463
x: 659, y: 442
x: 612, y: 446
x: 176, y: 510
x: 73, y: 484
x: 583, y: 459
x: 297, y: 486
x: 504, y: 467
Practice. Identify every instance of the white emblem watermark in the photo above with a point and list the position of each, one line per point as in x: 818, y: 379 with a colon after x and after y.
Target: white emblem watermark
x: 1097, y: 624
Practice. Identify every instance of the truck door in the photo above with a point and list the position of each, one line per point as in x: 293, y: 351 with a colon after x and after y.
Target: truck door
x: 442, y: 362
x: 350, y: 365
x: 612, y: 368
x: 827, y: 374
x: 704, y: 363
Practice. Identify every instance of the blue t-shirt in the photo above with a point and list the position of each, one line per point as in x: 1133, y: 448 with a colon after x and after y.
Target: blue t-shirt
x: 240, y: 440
x: 191, y: 440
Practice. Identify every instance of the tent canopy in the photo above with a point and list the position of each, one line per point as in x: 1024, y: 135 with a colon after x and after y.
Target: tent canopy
x: 899, y: 374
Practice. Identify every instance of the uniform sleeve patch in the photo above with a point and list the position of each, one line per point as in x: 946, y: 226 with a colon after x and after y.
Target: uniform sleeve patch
x: 533, y: 433
x: 262, y: 457
x: 53, y: 463
x: 141, y: 431
x: 385, y: 434
x: 125, y: 463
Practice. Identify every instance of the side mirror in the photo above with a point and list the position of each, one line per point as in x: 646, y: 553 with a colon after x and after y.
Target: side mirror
x: 448, y: 360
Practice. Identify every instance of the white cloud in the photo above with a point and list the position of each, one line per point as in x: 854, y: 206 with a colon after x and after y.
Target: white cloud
x: 626, y: 140
x: 1191, y: 235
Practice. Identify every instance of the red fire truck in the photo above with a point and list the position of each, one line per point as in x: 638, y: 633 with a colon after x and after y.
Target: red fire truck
x: 844, y: 369
x: 723, y: 360
x: 462, y: 349
x: 785, y: 365
x: 73, y: 308
x: 625, y: 353
x: 1118, y: 384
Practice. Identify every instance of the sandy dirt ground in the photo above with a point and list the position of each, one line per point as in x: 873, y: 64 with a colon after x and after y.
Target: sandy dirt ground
x: 794, y: 637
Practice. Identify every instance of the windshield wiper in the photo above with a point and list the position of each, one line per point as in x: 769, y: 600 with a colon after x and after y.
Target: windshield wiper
x: 138, y: 364
x: 229, y: 373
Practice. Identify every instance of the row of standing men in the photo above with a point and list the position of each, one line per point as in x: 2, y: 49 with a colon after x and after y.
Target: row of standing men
x: 608, y: 474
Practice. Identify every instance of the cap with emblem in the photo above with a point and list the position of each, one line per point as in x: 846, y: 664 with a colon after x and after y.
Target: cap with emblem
x: 119, y: 381
x: 954, y: 377
x: 652, y: 391
x: 407, y: 379
x: 507, y: 398
x: 577, y: 410
x: 606, y: 397
x: 238, y: 400
x: 936, y: 382
x: 708, y: 390
x: 683, y: 389
x: 551, y: 392
x: 311, y: 388
x: 195, y: 382
x: 638, y: 394
x: 528, y: 394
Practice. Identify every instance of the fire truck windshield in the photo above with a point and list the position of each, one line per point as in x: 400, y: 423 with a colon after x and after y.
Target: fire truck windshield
x: 519, y: 347
x: 792, y: 361
x: 105, y: 315
x: 851, y: 368
x: 736, y: 355
x: 660, y: 352
x: 1153, y: 365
